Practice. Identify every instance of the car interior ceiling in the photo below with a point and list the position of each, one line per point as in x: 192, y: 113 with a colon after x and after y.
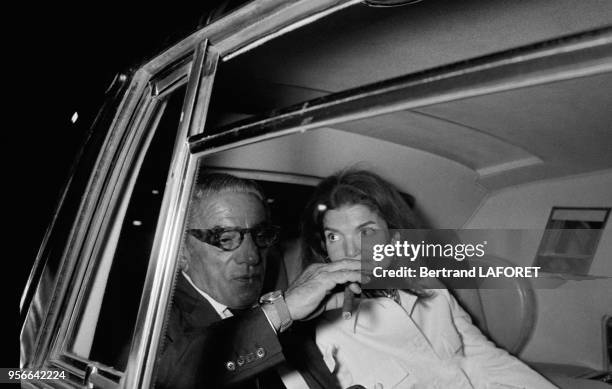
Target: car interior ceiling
x: 500, y: 136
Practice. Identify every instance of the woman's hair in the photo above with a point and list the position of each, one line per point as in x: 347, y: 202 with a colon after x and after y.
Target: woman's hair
x: 356, y: 187
x: 352, y: 187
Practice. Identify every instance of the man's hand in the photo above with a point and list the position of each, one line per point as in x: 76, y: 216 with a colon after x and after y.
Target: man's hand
x: 309, y: 294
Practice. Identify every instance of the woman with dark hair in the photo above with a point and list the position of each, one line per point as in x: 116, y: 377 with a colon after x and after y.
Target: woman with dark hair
x: 409, y: 338
x: 354, y: 187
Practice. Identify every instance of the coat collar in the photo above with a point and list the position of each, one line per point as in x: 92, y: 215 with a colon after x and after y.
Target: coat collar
x: 192, y: 303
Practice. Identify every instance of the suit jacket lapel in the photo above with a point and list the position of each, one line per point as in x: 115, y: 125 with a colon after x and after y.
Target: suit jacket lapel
x: 196, y: 309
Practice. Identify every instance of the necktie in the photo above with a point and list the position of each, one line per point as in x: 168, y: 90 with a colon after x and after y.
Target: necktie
x: 237, y: 311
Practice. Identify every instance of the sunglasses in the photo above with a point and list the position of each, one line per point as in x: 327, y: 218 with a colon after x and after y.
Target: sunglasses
x: 230, y: 238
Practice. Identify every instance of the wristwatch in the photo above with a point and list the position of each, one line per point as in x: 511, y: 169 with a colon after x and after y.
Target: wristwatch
x: 277, y: 301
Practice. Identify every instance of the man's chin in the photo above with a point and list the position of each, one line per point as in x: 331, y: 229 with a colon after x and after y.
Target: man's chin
x: 246, y: 292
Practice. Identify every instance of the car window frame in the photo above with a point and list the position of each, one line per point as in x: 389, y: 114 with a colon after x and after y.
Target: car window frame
x: 39, y: 295
x: 121, y: 147
x: 78, y: 236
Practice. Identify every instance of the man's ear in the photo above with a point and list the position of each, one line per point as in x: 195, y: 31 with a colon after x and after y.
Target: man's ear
x: 184, y: 259
x: 185, y: 255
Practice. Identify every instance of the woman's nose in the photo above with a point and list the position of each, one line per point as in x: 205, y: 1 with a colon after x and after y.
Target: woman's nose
x: 352, y: 247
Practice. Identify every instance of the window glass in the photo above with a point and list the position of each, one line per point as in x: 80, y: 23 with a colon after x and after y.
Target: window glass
x: 570, y: 240
x: 106, y: 322
x: 43, y: 279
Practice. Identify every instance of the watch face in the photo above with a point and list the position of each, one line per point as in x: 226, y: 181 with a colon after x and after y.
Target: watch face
x: 271, y: 296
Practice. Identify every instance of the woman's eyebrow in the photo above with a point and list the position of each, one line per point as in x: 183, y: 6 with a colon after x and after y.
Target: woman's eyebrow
x: 366, y: 223
x: 358, y: 227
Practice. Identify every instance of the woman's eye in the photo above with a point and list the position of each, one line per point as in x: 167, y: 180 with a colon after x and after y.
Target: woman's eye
x: 331, y: 237
x: 368, y: 231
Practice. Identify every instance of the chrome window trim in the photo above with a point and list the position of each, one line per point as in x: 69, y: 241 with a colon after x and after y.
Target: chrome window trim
x: 166, y: 83
x: 164, y: 254
x: 206, y: 76
x: 121, y: 176
x: 271, y: 176
x: 122, y: 179
x: 251, y: 25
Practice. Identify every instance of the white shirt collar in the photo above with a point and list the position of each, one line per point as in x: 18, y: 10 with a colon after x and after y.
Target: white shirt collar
x: 221, y: 309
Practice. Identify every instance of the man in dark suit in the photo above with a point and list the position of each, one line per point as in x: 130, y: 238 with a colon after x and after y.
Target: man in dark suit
x: 217, y: 335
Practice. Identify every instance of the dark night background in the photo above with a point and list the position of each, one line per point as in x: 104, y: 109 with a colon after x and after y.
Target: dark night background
x: 65, y: 58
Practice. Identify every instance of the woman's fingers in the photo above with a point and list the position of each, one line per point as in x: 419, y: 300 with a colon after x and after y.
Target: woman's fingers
x: 355, y: 288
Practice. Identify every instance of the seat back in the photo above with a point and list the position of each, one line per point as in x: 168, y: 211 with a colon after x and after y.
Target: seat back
x: 293, y: 262
x: 503, y: 308
x: 284, y: 265
x: 470, y: 300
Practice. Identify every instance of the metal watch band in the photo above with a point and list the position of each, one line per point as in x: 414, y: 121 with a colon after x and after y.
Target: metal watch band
x: 277, y: 301
x: 283, y: 312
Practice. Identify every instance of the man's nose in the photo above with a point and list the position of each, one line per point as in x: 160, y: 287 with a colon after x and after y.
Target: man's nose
x: 248, y: 251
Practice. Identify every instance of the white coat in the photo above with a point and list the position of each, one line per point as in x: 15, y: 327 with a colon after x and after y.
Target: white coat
x: 424, y: 343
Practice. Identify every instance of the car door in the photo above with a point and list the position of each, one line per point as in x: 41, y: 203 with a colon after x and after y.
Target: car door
x: 97, y: 295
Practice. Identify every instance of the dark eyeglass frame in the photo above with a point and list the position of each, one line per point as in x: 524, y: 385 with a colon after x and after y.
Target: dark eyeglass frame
x: 213, y: 236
